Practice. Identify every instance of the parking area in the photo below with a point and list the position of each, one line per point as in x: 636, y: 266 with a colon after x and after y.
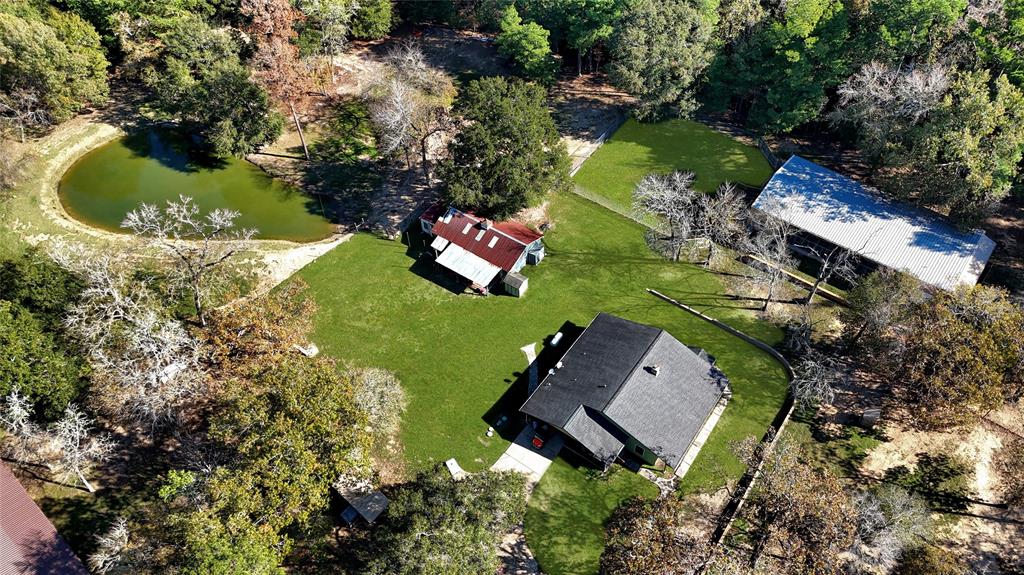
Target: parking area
x: 523, y: 457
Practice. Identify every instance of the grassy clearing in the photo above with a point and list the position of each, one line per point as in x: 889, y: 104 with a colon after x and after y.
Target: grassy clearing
x: 636, y: 150
x: 568, y: 510
x: 458, y: 355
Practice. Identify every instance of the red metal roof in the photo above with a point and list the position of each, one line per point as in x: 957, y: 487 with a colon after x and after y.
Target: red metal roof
x: 28, y: 542
x: 501, y: 244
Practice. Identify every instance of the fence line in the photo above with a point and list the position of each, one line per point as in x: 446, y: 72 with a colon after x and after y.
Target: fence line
x: 771, y: 436
x: 768, y: 154
x: 648, y: 221
x: 619, y: 120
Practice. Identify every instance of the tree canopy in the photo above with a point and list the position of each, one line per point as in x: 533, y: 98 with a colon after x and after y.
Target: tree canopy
x: 659, y: 51
x: 436, y: 524
x: 51, y: 66
x: 509, y: 153
x: 527, y: 46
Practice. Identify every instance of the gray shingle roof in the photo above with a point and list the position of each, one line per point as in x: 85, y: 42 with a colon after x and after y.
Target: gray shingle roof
x: 607, y: 386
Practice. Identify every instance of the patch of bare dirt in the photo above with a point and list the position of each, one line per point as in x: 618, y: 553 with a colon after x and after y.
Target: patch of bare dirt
x: 990, y: 534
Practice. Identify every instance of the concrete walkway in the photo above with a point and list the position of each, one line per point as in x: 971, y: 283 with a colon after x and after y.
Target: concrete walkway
x: 523, y: 457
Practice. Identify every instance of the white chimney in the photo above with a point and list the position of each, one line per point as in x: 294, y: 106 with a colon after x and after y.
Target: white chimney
x: 655, y: 369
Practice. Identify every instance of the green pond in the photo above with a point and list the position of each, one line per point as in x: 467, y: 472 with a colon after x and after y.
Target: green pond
x: 155, y: 166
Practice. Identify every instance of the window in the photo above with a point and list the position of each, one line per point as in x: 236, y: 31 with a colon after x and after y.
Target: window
x: 639, y: 450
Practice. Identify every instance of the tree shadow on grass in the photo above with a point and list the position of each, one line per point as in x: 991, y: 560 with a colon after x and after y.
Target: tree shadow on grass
x: 943, y: 481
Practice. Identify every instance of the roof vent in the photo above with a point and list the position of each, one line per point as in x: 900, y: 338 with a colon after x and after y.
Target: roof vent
x: 654, y: 369
x: 558, y: 365
x: 485, y: 224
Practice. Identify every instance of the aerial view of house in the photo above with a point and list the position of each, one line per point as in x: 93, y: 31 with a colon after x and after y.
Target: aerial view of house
x: 481, y: 251
x: 512, y: 287
x: 628, y: 390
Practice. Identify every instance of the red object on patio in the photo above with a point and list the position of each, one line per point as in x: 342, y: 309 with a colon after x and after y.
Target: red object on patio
x: 537, y: 442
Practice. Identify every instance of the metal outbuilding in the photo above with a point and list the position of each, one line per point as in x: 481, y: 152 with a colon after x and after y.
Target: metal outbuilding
x: 843, y: 212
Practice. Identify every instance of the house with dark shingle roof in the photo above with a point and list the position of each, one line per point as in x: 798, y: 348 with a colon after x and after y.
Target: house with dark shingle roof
x: 479, y: 250
x: 628, y: 388
x: 29, y: 545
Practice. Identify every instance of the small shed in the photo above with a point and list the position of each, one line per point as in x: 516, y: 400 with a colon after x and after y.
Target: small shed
x: 365, y: 505
x: 516, y: 284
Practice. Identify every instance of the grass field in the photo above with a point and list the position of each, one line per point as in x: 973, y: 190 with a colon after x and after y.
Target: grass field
x: 459, y: 361
x: 636, y: 150
x: 568, y: 510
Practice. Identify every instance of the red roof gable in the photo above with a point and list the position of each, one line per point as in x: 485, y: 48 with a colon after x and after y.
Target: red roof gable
x: 501, y: 244
x: 28, y: 541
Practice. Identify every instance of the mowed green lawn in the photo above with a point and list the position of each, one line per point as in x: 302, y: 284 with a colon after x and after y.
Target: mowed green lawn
x: 458, y: 356
x: 636, y: 150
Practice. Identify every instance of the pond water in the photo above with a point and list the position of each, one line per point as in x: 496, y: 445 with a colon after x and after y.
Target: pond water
x: 155, y: 166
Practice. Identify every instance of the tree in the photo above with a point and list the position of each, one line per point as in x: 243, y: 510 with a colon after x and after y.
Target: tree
x: 770, y: 246
x: 35, y: 365
x: 816, y: 378
x: 966, y: 156
x: 527, y: 46
x: 721, y: 219
x: 898, y: 31
x: 668, y: 199
x: 373, y: 20
x: 201, y: 247
x: 508, y: 153
x: 658, y: 52
x: 35, y: 282
x: 649, y: 536
x: 410, y: 104
x: 146, y: 365
x: 199, y: 81
x: 877, y: 303
x: 256, y: 332
x: 328, y: 23
x: 291, y: 430
x: 885, y: 101
x: 379, y: 394
x: 110, y: 549
x: 891, y: 521
x: 736, y: 18
x: 51, y: 66
x: 801, y: 510
x: 777, y: 78
x: 590, y: 23
x: 77, y: 449
x: 276, y: 60
x: 959, y: 355
x: 997, y: 33
x: 204, y: 543
x: 832, y: 262
x: 436, y: 524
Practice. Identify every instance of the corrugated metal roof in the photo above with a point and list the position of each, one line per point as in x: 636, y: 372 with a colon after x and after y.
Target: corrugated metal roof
x: 501, y: 244
x: 468, y: 265
x: 846, y: 213
x: 28, y: 541
x: 369, y: 504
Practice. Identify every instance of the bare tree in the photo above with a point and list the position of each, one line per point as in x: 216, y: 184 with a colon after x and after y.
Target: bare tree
x: 884, y: 101
x: 111, y: 548
x: 669, y: 199
x: 834, y: 262
x: 23, y: 110
x: 409, y: 104
x: 199, y: 245
x: 770, y: 245
x: 890, y: 521
x: 146, y: 362
x: 22, y: 442
x: 721, y: 219
x: 76, y: 449
x: 379, y: 394
x: 816, y: 378
x: 393, y: 110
